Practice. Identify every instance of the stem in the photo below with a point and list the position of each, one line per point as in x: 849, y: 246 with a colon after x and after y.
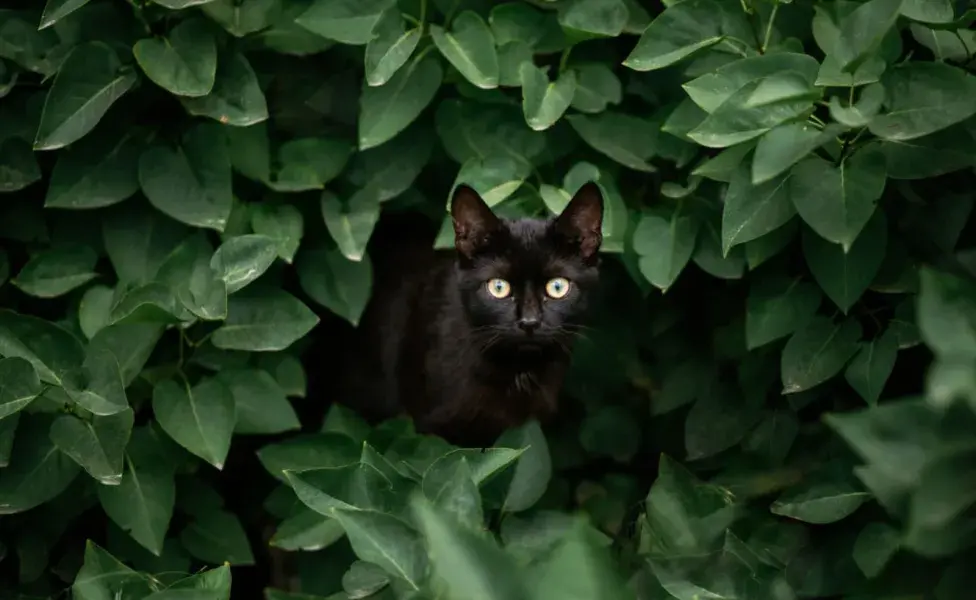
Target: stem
x: 769, y: 28
x: 817, y: 122
x: 423, y: 14
x: 564, y: 59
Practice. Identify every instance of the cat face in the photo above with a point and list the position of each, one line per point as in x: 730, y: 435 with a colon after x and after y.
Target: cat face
x: 526, y: 282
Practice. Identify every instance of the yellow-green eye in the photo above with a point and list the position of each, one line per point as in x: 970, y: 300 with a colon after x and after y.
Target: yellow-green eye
x: 557, y: 287
x: 499, y: 288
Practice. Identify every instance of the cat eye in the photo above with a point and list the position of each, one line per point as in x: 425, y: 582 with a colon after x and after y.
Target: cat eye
x: 499, y: 288
x: 557, y: 287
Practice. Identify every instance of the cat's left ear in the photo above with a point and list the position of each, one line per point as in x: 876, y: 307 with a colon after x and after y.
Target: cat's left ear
x: 474, y: 223
x: 582, y: 220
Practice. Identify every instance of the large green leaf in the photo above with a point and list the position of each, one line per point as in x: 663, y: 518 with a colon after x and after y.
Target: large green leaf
x: 922, y: 98
x: 54, y: 352
x: 282, y: 223
x: 55, y: 10
x: 544, y: 102
x: 261, y: 405
x: 217, y: 536
x: 871, y: 367
x: 677, y: 33
x: 37, y: 472
x: 190, y: 182
x: 142, y: 503
x: 242, y: 259
x: 184, y: 63
x: 752, y: 211
x: 390, y: 47
x: 242, y: 18
x: 785, y: 145
x: 236, y: 97
x: 351, y: 222
x: 200, y: 418
x: 711, y: 90
x: 776, y: 307
x: 593, y: 18
x: 103, y: 576
x: 386, y: 110
x: 88, y: 83
x: 844, y: 276
x: 20, y: 385
x: 97, y: 444
x: 626, y: 139
x: 665, y: 242
x: 470, y: 47
x: 862, y: 31
x: 817, y: 352
x: 346, y: 21
x: 96, y: 171
x: 337, y: 283
x: 837, y: 202
x: 264, y: 320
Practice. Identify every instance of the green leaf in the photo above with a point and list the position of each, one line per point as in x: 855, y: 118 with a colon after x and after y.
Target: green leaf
x: 282, y: 223
x: 817, y: 352
x: 862, y: 112
x: 102, y: 576
x: 390, y: 47
x: 628, y: 140
x: 57, y: 271
x: 236, y: 97
x: 242, y: 259
x: 307, y: 452
x: 596, y: 87
x: 683, y: 514
x: 785, y: 145
x: 932, y: 155
x: 752, y: 211
x: 676, y: 34
x: 469, y: 564
x: 593, y: 18
x: 871, y: 367
x: 306, y: 530
x: 96, y: 171
x: 53, y: 351
x: 387, y: 542
x: 946, y: 314
x: 391, y: 169
x: 345, y: 21
x: 386, y: 110
x: 201, y: 418
x: 837, y: 202
x: 845, y: 276
x: 820, y: 502
x: 450, y: 486
x: 265, y: 320
x: 88, y: 83
x: 55, y: 10
x: 261, y: 405
x: 138, y: 239
x: 364, y: 579
x: 213, y: 584
x: 862, y: 30
x: 20, y: 385
x: 142, y: 504
x: 745, y: 115
x: 577, y: 569
x: 544, y: 102
x: 309, y: 164
x: 665, y: 243
x: 711, y: 90
x: 217, y: 536
x: 97, y: 444
x: 351, y: 222
x: 190, y: 182
x: 875, y: 546
x: 37, y: 472
x: 922, y: 98
x: 337, y: 283
x: 533, y: 471
x: 776, y: 307
x: 19, y: 167
x: 928, y: 11
x: 495, y: 178
x: 183, y: 63
x: 470, y: 47
x: 241, y: 19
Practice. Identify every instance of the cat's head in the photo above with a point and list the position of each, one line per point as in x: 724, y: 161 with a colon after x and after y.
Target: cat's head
x: 527, y: 282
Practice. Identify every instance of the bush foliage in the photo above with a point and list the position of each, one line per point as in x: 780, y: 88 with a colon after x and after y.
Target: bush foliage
x: 777, y: 397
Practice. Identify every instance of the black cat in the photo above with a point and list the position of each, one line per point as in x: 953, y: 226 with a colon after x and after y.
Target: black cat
x: 472, y: 342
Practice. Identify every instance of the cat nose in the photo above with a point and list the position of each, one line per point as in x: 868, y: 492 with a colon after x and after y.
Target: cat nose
x: 528, y: 324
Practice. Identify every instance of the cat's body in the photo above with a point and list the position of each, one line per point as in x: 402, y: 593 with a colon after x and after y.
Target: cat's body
x: 466, y: 361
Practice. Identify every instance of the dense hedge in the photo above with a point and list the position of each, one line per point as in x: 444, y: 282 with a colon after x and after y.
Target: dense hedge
x: 189, y: 190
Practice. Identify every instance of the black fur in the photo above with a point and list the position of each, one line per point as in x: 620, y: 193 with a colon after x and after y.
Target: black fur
x: 435, y: 344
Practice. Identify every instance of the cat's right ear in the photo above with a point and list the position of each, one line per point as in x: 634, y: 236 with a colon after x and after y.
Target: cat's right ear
x: 474, y: 223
